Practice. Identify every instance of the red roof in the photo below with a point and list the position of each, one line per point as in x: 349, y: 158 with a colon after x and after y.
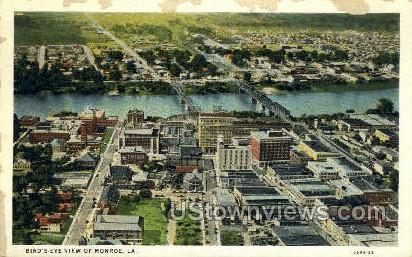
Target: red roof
x: 64, y: 206
x: 65, y: 196
x: 186, y: 169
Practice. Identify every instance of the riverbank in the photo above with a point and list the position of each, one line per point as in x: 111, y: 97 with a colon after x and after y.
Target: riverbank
x: 325, y: 87
x: 147, y: 88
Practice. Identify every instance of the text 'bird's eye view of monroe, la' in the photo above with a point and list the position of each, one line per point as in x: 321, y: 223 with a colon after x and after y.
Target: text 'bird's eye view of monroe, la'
x: 211, y: 129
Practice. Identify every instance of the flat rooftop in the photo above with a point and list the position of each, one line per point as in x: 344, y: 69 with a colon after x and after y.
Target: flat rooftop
x: 299, y: 235
x: 316, y: 146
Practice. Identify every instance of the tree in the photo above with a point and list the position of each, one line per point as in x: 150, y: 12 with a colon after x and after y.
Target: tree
x: 182, y: 57
x: 121, y: 88
x: 247, y: 76
x: 198, y: 62
x: 50, y: 200
x: 145, y: 193
x: 212, y: 68
x: 174, y: 69
x: 131, y: 67
x: 393, y: 180
x: 115, y: 74
x: 385, y: 106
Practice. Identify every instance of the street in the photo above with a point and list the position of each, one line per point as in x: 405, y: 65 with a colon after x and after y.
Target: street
x: 84, y: 213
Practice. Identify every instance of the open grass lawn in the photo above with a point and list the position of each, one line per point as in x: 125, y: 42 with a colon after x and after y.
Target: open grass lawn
x: 155, y: 221
x: 48, y: 238
x: 55, y: 28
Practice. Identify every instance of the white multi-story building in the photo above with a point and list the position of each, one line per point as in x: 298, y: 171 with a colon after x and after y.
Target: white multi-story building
x: 232, y: 157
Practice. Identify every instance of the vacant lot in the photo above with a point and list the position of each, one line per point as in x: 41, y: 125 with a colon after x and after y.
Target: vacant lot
x: 152, y: 210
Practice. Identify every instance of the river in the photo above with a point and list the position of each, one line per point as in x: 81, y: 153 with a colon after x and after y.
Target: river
x: 309, y: 102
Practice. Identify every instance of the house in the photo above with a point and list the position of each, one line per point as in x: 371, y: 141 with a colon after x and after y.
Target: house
x: 120, y: 174
x: 51, y: 223
x: 110, y: 197
x: 193, y: 181
x: 132, y: 155
x: 186, y: 169
x: 87, y: 161
x: 58, y: 145
x: 21, y: 167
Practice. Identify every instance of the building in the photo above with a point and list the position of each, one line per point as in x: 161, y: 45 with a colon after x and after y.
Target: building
x: 147, y: 138
x: 232, y: 178
x: 45, y: 136
x: 344, y: 188
x: 323, y: 170
x: 299, y: 157
x: 267, y: 202
x: 133, y: 155
x: 387, y: 137
x: 305, y: 191
x: 193, y: 181
x: 135, y: 117
x: 87, y: 161
x: 344, y: 228
x: 298, y: 235
x: 110, y: 197
x: 120, y: 174
x: 210, y: 126
x: 348, y: 169
x: 270, y: 147
x: 374, y: 190
x: 190, y: 155
x: 125, y: 228
x: 73, y: 180
x: 51, y: 223
x: 232, y: 157
x: 316, y: 150
x: 92, y: 121
x: 21, y: 167
x: 365, y: 122
x: 58, y: 145
x: 279, y: 174
x: 382, y: 167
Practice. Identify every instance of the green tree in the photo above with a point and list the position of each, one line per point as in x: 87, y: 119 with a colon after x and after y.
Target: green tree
x: 145, y: 193
x: 385, y: 106
x: 115, y: 74
x: 198, y: 62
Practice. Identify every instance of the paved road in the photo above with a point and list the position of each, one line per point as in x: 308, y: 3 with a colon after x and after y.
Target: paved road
x: 85, y: 212
x: 129, y: 51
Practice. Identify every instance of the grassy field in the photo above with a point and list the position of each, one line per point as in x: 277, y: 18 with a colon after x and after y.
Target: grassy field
x: 155, y: 222
x: 69, y: 28
x: 55, y: 28
x: 48, y: 238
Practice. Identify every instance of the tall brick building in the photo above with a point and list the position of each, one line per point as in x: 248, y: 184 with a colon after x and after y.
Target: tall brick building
x: 270, y: 147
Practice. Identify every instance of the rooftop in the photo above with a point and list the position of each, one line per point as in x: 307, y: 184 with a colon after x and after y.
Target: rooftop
x: 117, y: 223
x: 299, y: 235
x: 316, y: 145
